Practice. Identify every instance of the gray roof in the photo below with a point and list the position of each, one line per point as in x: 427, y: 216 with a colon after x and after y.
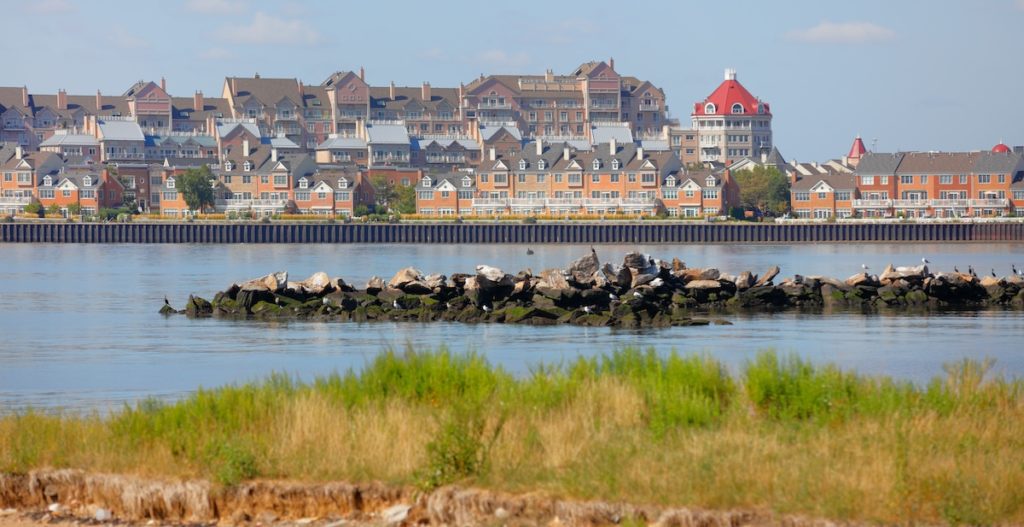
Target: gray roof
x: 993, y: 163
x: 654, y: 145
x: 879, y: 164
x: 70, y: 140
x: 283, y: 143
x: 775, y: 158
x: 341, y: 143
x: 121, y: 130
x: 225, y: 129
x: 387, y: 133
x: 487, y: 131
x: 605, y: 133
x: 455, y: 178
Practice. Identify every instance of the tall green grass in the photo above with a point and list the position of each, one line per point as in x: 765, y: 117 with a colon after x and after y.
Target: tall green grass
x: 780, y: 432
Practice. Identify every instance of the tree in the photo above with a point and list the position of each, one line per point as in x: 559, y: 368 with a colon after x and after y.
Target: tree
x: 74, y: 209
x: 385, y: 192
x: 53, y: 210
x: 196, y: 187
x: 763, y: 188
x: 405, y: 200
x: 33, y: 207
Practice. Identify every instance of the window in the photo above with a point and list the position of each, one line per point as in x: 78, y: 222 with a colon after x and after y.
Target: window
x: 710, y: 194
x: 984, y: 178
x: 522, y: 164
x: 47, y: 181
x: 425, y: 195
x: 540, y: 178
x: 709, y: 108
x: 87, y: 181
x: 229, y: 166
x: 615, y: 164
x: 483, y: 178
x: 342, y: 183
x: 170, y: 182
x: 1001, y: 178
x: 343, y: 195
x: 169, y: 196
x: 595, y: 178
x: 596, y: 164
x: 963, y: 179
x: 46, y: 193
x: 558, y: 178
x: 280, y: 179
x: 647, y: 178
x: 946, y: 180
x: 467, y: 182
x: 737, y: 108
x: 906, y: 180
x: 501, y: 179
x: 303, y: 183
x: 302, y: 196
x: 924, y: 179
x: 883, y: 180
x: 24, y: 177
x: 8, y: 176
x: 521, y: 178
x: 867, y: 180
x: 843, y: 196
x: 247, y: 166
x: 802, y: 196
x: 264, y: 179
x: 246, y: 180
x: 541, y: 165
x: 822, y: 195
x: 614, y: 178
x: 575, y: 179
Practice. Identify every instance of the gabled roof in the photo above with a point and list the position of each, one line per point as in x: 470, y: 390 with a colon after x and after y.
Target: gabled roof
x: 223, y: 130
x: 604, y: 133
x: 283, y: 143
x: 835, y: 180
x: 879, y: 164
x: 999, y: 163
x: 339, y: 143
x: 269, y: 91
x: 489, y: 131
x: 120, y: 130
x: 70, y: 140
x: 937, y: 163
x: 387, y: 133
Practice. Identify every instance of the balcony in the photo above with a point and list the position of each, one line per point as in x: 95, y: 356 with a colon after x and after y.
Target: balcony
x: 446, y: 159
x: 650, y: 107
x: 872, y: 203
x: 487, y: 105
x: 950, y: 203
x: 910, y: 203
x: 242, y: 204
x: 990, y: 203
x: 603, y: 106
x: 14, y: 201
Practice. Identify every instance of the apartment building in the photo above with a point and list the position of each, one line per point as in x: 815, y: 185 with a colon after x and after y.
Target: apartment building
x: 731, y: 123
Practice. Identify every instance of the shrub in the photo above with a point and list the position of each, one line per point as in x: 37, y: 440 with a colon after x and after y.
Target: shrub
x: 53, y: 210
x: 33, y: 208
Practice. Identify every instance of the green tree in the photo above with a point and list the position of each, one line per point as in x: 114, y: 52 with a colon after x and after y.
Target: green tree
x: 196, y: 187
x: 405, y: 200
x: 33, y: 207
x: 385, y: 193
x: 74, y: 209
x: 763, y: 188
x: 53, y: 210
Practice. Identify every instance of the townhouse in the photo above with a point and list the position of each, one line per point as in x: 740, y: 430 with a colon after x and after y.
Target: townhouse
x: 731, y: 123
x: 701, y: 193
x: 84, y: 188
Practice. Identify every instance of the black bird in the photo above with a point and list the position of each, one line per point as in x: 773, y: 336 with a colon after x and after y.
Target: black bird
x: 994, y: 273
x: 529, y: 251
x: 955, y: 270
x: 166, y: 302
x: 970, y: 271
x: 1013, y: 268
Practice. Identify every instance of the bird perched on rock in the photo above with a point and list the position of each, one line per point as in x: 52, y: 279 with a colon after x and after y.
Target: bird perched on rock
x: 1013, y: 269
x: 588, y: 310
x: 529, y: 251
x: 955, y: 270
x: 486, y: 308
x: 864, y: 267
x: 994, y: 273
x: 395, y: 304
x: 613, y: 297
x: 166, y: 302
x: 447, y: 305
x: 637, y: 294
x: 970, y: 271
x: 326, y: 301
x: 925, y: 261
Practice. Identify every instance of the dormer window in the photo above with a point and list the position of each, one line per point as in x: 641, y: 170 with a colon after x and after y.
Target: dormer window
x: 229, y: 166
x: 170, y: 182
x: 709, y: 108
x: 342, y: 183
x: 247, y: 166
x: 47, y: 181
x: 303, y: 183
x: 522, y: 164
x: 597, y: 164
x: 737, y: 108
x: 670, y: 181
x: 467, y: 182
x: 710, y: 181
x: 541, y: 165
x: 615, y: 164
x: 425, y: 181
x: 760, y: 108
x: 87, y: 181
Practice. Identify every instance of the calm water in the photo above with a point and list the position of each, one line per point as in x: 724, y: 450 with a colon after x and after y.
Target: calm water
x: 79, y: 329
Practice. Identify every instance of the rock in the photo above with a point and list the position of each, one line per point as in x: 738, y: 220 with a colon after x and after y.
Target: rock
x: 641, y: 279
x: 489, y: 278
x: 435, y: 281
x: 744, y: 281
x: 703, y: 284
x: 374, y: 285
x: 584, y: 268
x: 103, y: 515
x: 769, y: 275
x: 389, y: 295
x: 340, y: 285
x: 677, y: 265
x: 417, y: 287
x: 709, y: 274
x: 473, y: 291
x: 317, y: 284
x: 273, y: 282
x: 198, y: 307
x: 395, y: 514
x: 167, y: 310
x: 989, y: 281
x: 859, y: 279
x: 635, y: 260
x: 54, y: 507
x: 553, y: 279
x: 405, y: 276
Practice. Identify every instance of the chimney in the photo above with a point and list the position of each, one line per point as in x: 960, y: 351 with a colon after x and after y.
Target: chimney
x: 462, y: 88
x: 302, y: 90
x: 549, y: 75
x: 197, y: 102
x: 425, y: 91
x: 764, y: 156
x: 730, y: 74
x: 362, y: 73
x: 24, y: 96
x: 565, y: 152
x: 611, y: 62
x: 491, y: 154
x: 99, y: 101
x: 163, y: 84
x: 391, y: 91
x: 273, y: 155
x: 19, y: 153
x: 540, y: 147
x: 245, y: 147
x: 62, y: 100
x: 640, y: 153
x: 612, y: 147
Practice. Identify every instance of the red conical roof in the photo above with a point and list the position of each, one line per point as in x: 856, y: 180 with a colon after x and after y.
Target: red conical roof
x: 1001, y: 149
x: 727, y: 94
x: 857, y: 150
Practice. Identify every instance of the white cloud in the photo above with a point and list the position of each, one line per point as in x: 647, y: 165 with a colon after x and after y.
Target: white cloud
x: 267, y: 29
x: 216, y: 54
x: 214, y: 6
x: 501, y: 59
x: 50, y: 7
x: 843, y: 33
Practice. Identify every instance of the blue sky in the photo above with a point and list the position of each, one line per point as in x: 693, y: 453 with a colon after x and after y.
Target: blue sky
x: 909, y: 74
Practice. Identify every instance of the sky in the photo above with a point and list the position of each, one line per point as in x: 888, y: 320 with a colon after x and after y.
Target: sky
x: 903, y: 74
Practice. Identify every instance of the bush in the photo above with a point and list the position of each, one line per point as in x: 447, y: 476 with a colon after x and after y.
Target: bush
x: 530, y: 220
x: 361, y: 210
x: 33, y: 208
x: 6, y: 218
x: 53, y: 210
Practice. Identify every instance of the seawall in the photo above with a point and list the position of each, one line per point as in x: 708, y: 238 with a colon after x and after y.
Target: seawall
x: 490, y: 233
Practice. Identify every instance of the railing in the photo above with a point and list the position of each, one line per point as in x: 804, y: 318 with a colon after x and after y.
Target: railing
x: 538, y: 203
x: 254, y: 203
x: 950, y: 203
x: 603, y: 106
x: 910, y: 203
x: 446, y: 159
x: 490, y: 202
x: 493, y: 106
x: 872, y: 203
x: 650, y: 107
x: 990, y: 202
x: 15, y: 200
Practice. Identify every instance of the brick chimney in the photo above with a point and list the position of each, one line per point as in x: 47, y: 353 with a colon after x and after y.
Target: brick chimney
x: 540, y: 147
x: 425, y: 91
x: 565, y: 152
x: 99, y: 101
x: 302, y: 90
x: 549, y: 75
x: 245, y: 147
x: 19, y: 152
x: 612, y: 147
x: 62, y: 99
x: 391, y: 91
x: 640, y: 153
x: 611, y: 62
x: 362, y: 73
x: 24, y: 96
x: 273, y: 155
x: 492, y: 154
x: 163, y: 84
x: 197, y: 102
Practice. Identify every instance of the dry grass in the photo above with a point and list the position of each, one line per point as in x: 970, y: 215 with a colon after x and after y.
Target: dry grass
x: 783, y: 436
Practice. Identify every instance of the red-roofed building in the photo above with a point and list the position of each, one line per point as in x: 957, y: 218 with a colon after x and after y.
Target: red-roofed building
x: 857, y: 151
x: 1001, y: 149
x: 731, y: 123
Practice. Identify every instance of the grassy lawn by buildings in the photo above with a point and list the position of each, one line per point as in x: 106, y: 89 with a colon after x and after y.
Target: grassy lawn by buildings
x: 779, y: 434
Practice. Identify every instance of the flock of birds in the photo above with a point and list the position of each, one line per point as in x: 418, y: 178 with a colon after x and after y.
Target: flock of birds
x: 970, y: 269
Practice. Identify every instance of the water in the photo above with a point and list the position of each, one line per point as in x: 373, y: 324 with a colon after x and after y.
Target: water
x: 79, y: 329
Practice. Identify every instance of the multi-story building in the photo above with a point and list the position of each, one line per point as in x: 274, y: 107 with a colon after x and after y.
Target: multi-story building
x: 731, y: 123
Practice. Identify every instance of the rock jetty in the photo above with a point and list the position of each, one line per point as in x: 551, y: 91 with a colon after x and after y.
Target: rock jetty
x: 641, y: 292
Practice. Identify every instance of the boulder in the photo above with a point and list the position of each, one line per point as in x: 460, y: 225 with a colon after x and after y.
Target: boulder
x: 860, y: 279
x: 709, y: 274
x: 198, y: 307
x: 489, y: 278
x: 642, y: 278
x: 769, y: 275
x: 989, y: 281
x: 272, y: 282
x: 703, y: 284
x: 317, y: 284
x: 405, y: 276
x: 677, y: 265
x: 635, y: 260
x: 417, y: 287
x: 473, y: 291
x: 583, y: 269
x: 374, y: 285
x: 340, y: 285
x: 553, y: 279
x: 435, y: 281
x: 744, y: 281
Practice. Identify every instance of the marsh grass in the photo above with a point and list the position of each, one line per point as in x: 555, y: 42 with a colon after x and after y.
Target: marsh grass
x: 633, y: 425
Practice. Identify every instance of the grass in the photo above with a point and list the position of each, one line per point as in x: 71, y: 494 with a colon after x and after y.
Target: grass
x: 781, y: 434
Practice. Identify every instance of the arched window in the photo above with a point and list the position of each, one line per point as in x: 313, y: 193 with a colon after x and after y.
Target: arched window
x: 87, y: 181
x: 615, y: 164
x: 229, y: 166
x: 709, y: 108
x: 737, y: 108
x: 710, y: 181
x: 170, y: 182
x: 597, y: 164
x: 541, y: 165
x: 303, y: 183
x: 247, y: 166
x: 342, y: 183
x: 47, y: 181
x: 426, y: 181
x: 522, y: 164
x: 670, y: 181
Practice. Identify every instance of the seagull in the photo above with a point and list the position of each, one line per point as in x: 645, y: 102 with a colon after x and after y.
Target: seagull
x: 588, y: 310
x: 994, y: 273
x: 864, y: 267
x: 395, y: 304
x: 447, y: 305
x: 529, y: 251
x: 486, y: 308
x: 326, y: 301
x: 925, y: 261
x: 637, y: 294
x: 613, y: 297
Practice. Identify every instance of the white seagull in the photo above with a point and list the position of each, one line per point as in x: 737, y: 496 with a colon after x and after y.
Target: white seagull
x: 864, y: 267
x: 925, y: 261
x: 486, y: 308
x: 588, y: 310
x: 613, y: 297
x: 395, y: 304
x: 637, y: 294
